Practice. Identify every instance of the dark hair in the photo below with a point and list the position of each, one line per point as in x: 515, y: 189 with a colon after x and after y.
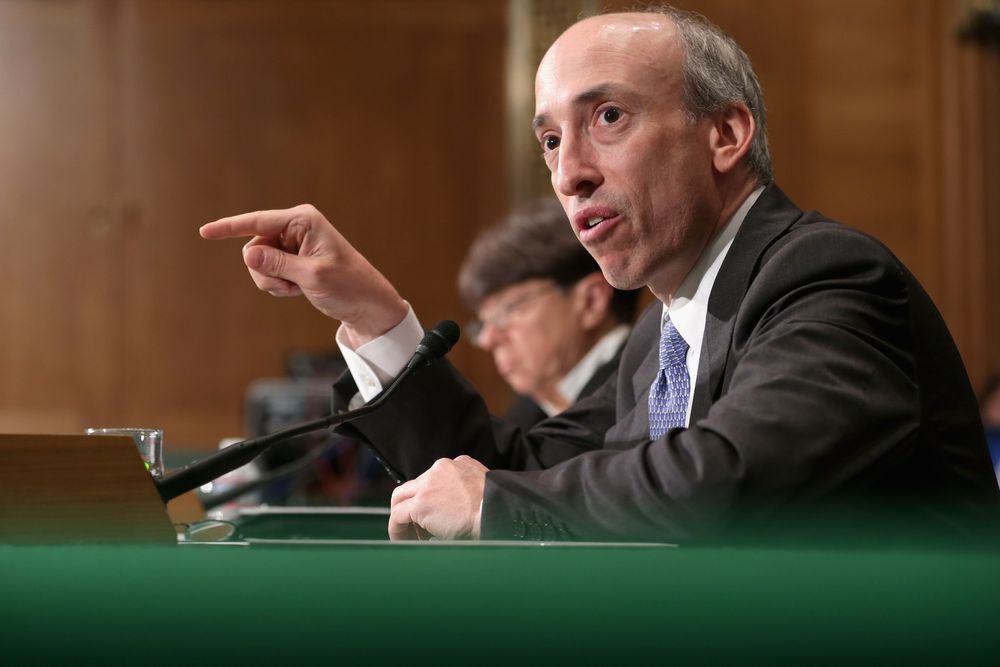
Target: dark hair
x: 535, y: 241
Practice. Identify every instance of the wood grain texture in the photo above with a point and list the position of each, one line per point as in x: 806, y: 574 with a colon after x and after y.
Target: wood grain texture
x: 132, y: 123
x: 57, y: 489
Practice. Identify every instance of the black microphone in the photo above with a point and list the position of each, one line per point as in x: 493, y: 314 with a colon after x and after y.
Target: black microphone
x: 435, y: 344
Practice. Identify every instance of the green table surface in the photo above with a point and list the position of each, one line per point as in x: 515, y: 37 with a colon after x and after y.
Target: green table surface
x: 532, y: 604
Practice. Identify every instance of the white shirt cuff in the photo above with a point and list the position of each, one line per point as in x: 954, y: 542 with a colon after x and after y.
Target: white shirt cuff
x: 377, y: 362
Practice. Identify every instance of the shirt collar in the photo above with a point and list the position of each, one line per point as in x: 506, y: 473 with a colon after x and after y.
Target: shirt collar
x: 689, y: 307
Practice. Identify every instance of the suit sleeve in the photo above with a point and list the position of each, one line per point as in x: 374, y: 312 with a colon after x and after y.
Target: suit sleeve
x: 437, y: 414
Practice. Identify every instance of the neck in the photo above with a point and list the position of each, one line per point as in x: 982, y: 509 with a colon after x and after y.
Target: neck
x: 731, y: 196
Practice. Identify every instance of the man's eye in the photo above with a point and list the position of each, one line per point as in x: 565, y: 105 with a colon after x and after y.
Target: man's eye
x: 550, y: 143
x: 611, y: 115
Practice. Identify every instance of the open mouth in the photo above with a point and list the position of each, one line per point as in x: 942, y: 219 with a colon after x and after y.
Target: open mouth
x: 593, y: 222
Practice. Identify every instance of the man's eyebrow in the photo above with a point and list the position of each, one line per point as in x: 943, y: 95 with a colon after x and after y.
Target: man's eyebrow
x: 538, y: 121
x: 589, y: 95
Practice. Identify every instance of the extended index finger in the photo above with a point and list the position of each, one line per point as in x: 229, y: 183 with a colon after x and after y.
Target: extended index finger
x: 258, y: 223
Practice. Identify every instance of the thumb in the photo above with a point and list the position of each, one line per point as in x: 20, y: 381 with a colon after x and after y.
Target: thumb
x: 271, y: 262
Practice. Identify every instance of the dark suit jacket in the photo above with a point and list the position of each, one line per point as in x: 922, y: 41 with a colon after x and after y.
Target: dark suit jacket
x: 829, y: 389
x: 525, y: 413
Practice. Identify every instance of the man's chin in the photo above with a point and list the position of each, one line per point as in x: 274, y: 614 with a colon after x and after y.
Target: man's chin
x: 512, y: 382
x: 520, y: 390
x: 620, y: 277
x: 515, y: 384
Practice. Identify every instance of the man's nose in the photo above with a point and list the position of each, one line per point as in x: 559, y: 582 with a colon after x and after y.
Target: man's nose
x: 577, y: 172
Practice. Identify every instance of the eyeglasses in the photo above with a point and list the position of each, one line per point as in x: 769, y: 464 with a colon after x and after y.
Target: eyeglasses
x: 504, y: 313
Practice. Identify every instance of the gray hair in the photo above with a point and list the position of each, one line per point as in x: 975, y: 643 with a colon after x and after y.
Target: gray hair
x: 717, y: 73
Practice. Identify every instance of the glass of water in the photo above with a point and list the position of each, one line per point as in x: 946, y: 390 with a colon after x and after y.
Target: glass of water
x: 149, y: 441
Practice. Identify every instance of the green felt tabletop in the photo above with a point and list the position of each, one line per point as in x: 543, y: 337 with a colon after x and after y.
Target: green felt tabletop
x: 532, y: 604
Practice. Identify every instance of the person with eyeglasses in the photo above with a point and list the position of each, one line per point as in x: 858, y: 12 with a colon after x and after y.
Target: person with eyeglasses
x: 552, y: 323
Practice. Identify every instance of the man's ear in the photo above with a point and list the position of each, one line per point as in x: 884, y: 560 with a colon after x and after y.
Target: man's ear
x: 730, y: 136
x: 592, y: 296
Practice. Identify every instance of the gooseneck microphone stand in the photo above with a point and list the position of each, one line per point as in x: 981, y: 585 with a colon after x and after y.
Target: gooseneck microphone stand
x: 434, y: 345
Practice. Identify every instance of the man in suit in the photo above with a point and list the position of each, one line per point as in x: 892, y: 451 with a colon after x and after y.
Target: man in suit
x: 553, y: 324
x: 793, y: 374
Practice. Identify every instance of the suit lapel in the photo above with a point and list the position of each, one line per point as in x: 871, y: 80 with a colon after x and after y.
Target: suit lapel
x: 769, y: 217
x: 637, y: 420
x: 640, y: 360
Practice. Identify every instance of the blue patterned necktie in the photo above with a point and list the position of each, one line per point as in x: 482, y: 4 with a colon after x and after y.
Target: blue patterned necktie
x: 668, y: 397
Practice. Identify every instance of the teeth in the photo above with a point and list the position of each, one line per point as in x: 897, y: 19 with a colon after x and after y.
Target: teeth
x: 593, y: 222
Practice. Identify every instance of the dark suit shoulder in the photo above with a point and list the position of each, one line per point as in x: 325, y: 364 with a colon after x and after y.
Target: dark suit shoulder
x: 524, y: 412
x: 824, y: 271
x: 815, y: 240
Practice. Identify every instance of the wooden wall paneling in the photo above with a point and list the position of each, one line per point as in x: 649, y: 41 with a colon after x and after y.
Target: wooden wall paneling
x: 969, y: 99
x: 56, y: 173
x: 364, y: 111
x: 126, y: 125
x: 990, y: 364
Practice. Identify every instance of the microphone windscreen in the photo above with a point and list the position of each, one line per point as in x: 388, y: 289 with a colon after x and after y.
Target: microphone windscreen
x: 449, y: 332
x: 438, y: 341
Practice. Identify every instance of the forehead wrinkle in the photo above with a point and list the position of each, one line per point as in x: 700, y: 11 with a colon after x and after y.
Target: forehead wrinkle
x: 597, y: 92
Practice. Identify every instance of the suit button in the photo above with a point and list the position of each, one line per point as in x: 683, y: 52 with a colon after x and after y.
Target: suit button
x: 519, y: 531
x: 534, y: 532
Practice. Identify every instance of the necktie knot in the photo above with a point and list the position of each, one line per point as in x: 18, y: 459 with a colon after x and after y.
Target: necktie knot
x: 668, y: 397
x: 673, y: 347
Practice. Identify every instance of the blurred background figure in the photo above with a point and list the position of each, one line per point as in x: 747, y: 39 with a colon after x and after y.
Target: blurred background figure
x: 321, y: 468
x: 554, y: 326
x: 989, y: 405
x: 313, y: 469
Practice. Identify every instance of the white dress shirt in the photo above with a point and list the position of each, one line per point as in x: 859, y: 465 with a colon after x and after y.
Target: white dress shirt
x: 688, y: 309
